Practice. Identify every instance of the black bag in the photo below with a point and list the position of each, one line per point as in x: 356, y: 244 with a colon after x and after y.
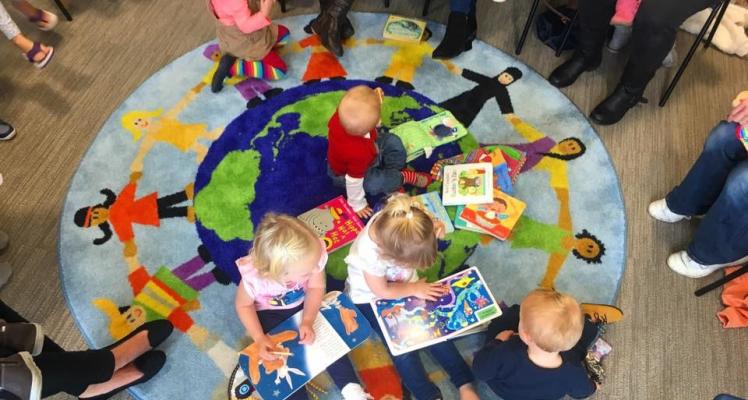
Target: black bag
x: 551, y: 26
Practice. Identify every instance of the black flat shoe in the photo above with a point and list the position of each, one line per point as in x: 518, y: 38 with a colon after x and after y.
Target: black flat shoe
x: 457, y: 39
x: 158, y: 331
x: 149, y: 364
x: 615, y: 106
x: 568, y: 72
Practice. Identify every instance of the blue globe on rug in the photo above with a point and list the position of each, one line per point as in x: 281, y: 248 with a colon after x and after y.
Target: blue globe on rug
x: 167, y: 197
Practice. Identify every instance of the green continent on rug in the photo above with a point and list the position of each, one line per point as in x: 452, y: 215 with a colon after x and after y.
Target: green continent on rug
x: 168, y: 195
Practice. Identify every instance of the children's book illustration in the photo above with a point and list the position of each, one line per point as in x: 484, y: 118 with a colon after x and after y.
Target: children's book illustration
x: 467, y: 184
x: 339, y: 328
x: 406, y: 29
x: 335, y: 222
x: 497, y: 218
x: 421, y: 137
x: 411, y: 323
x: 474, y: 156
x: 433, y: 203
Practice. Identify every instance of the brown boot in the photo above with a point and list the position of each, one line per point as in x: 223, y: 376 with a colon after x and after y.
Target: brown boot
x: 329, y: 23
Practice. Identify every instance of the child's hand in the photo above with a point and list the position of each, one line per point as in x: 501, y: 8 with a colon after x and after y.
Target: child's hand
x: 306, y: 334
x: 266, y: 7
x: 505, y: 335
x: 428, y: 291
x: 365, y: 212
x: 739, y: 113
x: 266, y: 347
x: 439, y: 229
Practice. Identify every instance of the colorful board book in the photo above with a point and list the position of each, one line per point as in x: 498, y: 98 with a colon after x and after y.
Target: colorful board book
x: 339, y: 328
x: 496, y: 218
x: 411, y: 323
x: 404, y: 29
x: 475, y: 156
x: 742, y: 132
x: 433, y: 203
x: 467, y: 184
x: 422, y: 137
x: 515, y: 160
x: 335, y: 222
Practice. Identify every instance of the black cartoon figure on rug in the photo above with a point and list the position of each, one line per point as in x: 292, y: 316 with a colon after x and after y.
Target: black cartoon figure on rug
x: 466, y: 106
x: 120, y: 212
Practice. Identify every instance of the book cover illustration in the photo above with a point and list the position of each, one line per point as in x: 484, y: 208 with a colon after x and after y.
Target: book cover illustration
x: 501, y: 178
x: 339, y: 328
x: 475, y: 156
x: 460, y: 223
x: 467, y: 184
x: 404, y: 29
x: 422, y: 137
x: 432, y: 202
x: 742, y: 133
x: 335, y: 223
x: 411, y: 323
x: 515, y: 160
x: 496, y: 218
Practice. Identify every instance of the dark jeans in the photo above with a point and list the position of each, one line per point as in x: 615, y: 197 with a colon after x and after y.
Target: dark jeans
x: 65, y: 371
x: 341, y: 371
x: 653, y: 35
x: 509, y: 320
x: 463, y: 6
x: 717, y: 187
x: 383, y: 176
x: 410, y: 367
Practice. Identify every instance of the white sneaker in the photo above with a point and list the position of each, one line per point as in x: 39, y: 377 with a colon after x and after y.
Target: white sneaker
x: 659, y: 210
x: 354, y: 391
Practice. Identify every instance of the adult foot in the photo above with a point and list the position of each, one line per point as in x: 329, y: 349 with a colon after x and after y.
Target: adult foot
x: 568, y: 72
x: 329, y: 23
x: 659, y: 210
x: 681, y: 263
x: 6, y: 133
x: 615, y: 106
x: 139, y: 341
x: 141, y: 370
x: 21, y: 336
x: 20, y: 378
x: 457, y: 39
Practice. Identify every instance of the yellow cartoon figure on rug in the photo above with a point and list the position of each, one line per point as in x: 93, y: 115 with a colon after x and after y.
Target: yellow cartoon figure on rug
x: 154, y: 126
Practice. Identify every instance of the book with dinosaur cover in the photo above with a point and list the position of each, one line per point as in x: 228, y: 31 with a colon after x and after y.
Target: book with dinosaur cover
x: 496, y: 218
x: 411, y: 323
x: 467, y: 184
x: 338, y: 329
x: 433, y: 204
x: 335, y: 222
x: 404, y: 29
x: 422, y: 137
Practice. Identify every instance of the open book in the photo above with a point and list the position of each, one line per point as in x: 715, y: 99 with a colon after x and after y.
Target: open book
x: 422, y: 137
x: 339, y: 328
x: 411, y: 323
x: 335, y: 223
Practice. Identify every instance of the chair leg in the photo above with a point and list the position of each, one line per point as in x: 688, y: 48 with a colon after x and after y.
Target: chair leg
x: 688, y: 57
x: 283, y: 5
x: 528, y: 23
x: 426, y: 6
x: 387, y: 3
x: 719, y: 282
x: 723, y: 5
x: 64, y: 10
x: 567, y: 33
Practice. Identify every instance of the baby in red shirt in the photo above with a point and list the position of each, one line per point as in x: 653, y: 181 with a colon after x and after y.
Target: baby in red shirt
x: 364, y: 156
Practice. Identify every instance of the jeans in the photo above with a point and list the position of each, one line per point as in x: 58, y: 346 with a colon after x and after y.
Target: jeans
x: 410, y: 368
x: 653, y: 35
x: 463, y: 6
x: 383, y: 176
x: 717, y: 187
x: 341, y: 371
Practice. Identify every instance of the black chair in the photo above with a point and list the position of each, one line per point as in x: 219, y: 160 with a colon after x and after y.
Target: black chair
x: 718, y: 11
x: 531, y: 19
x: 63, y: 10
x: 426, y: 6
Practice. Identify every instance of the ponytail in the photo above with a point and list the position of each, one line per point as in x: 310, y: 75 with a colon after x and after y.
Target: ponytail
x: 405, y: 233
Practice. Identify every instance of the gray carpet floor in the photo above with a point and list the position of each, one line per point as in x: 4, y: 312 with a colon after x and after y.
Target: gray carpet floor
x: 670, y: 345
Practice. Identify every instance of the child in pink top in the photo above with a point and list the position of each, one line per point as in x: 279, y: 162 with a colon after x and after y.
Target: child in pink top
x: 283, y: 274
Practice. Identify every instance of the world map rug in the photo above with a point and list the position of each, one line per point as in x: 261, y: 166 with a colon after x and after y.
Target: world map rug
x: 168, y: 195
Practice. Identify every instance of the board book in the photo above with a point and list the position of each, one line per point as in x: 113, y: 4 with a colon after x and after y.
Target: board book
x: 460, y: 223
x: 339, y: 328
x: 515, y: 160
x: 467, y: 184
x: 742, y: 133
x: 432, y: 202
x: 334, y: 222
x: 411, y: 323
x: 422, y: 137
x: 404, y: 29
x: 474, y: 156
x: 496, y: 218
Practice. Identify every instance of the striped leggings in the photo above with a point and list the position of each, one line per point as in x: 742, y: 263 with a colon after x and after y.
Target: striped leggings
x: 270, y: 68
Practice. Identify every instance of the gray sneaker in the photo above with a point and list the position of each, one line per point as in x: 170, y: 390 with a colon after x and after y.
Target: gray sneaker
x: 21, y: 336
x: 20, y: 378
x: 620, y: 38
x: 6, y: 131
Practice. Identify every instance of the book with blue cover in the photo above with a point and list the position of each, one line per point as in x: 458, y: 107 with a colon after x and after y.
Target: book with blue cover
x: 432, y: 202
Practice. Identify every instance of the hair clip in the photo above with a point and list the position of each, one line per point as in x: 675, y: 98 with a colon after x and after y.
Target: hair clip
x: 409, y: 215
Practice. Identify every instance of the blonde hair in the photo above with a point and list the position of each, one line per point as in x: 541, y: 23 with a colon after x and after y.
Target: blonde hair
x: 553, y: 320
x: 280, y: 240
x: 360, y: 110
x: 404, y: 232
x: 128, y: 121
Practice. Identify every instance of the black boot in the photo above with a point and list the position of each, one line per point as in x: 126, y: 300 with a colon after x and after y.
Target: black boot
x: 329, y: 23
x: 20, y: 337
x: 222, y: 72
x: 568, y: 72
x: 346, y: 29
x: 20, y: 378
x: 613, y: 108
x: 458, y: 38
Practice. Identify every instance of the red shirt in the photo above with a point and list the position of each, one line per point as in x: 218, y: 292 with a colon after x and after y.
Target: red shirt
x: 348, y: 154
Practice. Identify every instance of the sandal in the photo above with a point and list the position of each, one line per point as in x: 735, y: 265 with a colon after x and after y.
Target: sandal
x: 44, y: 20
x: 35, y: 50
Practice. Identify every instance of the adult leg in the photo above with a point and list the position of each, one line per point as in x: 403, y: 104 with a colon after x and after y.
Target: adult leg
x: 10, y: 315
x: 73, y: 372
x: 705, y: 181
x: 329, y: 23
x: 594, y: 22
x: 461, y: 30
x: 654, y: 30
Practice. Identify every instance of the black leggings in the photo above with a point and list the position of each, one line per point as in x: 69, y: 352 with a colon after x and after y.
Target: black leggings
x: 65, y: 371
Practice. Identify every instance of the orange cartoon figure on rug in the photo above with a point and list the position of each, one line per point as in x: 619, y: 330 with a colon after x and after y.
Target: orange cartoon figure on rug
x: 121, y: 211
x: 322, y: 64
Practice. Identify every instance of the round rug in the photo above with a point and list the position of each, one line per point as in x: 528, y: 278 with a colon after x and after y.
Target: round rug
x: 196, y: 171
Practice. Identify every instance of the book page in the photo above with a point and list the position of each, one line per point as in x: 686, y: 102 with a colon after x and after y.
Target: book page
x: 328, y: 346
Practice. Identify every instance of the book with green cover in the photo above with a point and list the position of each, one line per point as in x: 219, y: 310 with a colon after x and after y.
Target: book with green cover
x: 422, y: 137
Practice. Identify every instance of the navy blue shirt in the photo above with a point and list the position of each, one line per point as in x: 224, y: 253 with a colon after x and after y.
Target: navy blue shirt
x: 507, y: 369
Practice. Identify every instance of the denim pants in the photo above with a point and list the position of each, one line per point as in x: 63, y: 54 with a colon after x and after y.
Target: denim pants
x: 410, y: 368
x: 716, y: 187
x: 463, y: 6
x: 383, y: 176
x: 341, y: 371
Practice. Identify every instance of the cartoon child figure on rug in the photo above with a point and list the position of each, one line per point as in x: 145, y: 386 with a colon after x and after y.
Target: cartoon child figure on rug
x: 322, y: 63
x: 364, y: 157
x: 120, y: 212
x: 405, y: 61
